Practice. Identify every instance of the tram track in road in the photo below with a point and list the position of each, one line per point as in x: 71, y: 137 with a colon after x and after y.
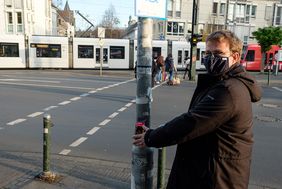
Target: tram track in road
x: 63, y: 103
x: 90, y: 132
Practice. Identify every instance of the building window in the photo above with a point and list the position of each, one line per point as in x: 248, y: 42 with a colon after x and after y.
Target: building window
x: 85, y: 51
x: 222, y: 9
x: 214, y: 7
x: 268, y: 13
x: 254, y: 11
x: 10, y: 22
x: 169, y: 8
x: 278, y: 20
x: 240, y: 13
x: 47, y: 50
x: 9, y: 50
x: 8, y: 3
x: 19, y: 22
x: 178, y: 8
x: 230, y: 12
x: 175, y: 28
x: 117, y: 52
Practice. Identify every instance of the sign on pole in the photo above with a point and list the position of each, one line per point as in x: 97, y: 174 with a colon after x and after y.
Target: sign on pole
x: 151, y: 8
x: 101, y: 32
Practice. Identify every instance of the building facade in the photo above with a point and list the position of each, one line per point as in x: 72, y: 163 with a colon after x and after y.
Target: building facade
x: 28, y: 17
x: 240, y: 16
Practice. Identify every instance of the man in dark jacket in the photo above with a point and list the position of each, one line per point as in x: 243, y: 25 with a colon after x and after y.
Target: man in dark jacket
x: 215, y: 136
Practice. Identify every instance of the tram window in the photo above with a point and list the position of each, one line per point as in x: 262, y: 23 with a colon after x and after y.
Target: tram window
x: 9, y: 50
x: 186, y: 55
x: 117, y: 52
x: 47, y: 50
x: 198, y: 54
x: 85, y: 51
x: 105, y: 56
x: 202, y: 57
x: 250, y: 55
x: 179, y: 59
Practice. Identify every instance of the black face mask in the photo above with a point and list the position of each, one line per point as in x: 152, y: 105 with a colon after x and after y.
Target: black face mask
x: 216, y: 65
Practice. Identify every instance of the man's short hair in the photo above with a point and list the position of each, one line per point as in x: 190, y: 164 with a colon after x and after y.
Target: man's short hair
x: 235, y: 44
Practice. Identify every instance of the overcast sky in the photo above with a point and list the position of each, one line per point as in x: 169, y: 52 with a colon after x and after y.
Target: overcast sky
x: 95, y: 10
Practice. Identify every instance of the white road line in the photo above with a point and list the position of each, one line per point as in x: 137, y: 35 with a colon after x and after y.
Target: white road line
x: 133, y: 101
x: 75, y: 98
x: 50, y: 86
x: 99, y: 89
x: 65, y: 152
x: 39, y: 81
x: 128, y: 104
x: 92, y: 92
x: 84, y: 95
x: 277, y: 88
x: 104, y: 122
x: 270, y: 105
x: 113, y: 115
x: 50, y: 108
x: 92, y: 131
x: 64, y: 103
x: 16, y: 122
x: 106, y: 87
x: 78, y: 141
x: 35, y: 114
x: 122, y: 109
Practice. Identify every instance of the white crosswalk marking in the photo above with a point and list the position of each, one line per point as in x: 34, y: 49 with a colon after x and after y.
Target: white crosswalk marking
x: 105, y: 122
x: 113, y: 115
x: 65, y: 152
x: 64, y: 103
x: 35, y: 114
x: 16, y: 122
x: 92, y: 131
x: 75, y: 98
x: 277, y: 88
x: 78, y: 141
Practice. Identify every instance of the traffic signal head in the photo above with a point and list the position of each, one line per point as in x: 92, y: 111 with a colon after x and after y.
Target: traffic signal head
x: 196, y: 38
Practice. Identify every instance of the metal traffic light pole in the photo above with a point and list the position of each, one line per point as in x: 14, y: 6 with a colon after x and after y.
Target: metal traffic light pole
x: 142, y: 158
x: 193, y: 50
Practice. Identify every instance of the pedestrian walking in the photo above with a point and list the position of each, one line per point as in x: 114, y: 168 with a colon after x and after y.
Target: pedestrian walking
x: 187, y: 67
x: 169, y: 67
x: 160, y: 64
x: 215, y: 135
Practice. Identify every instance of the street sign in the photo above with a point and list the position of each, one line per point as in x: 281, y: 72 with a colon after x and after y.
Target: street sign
x: 151, y: 8
x: 101, y: 32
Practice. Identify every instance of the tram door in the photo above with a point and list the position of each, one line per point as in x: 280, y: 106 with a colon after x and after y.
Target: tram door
x: 182, y: 57
x: 105, y: 56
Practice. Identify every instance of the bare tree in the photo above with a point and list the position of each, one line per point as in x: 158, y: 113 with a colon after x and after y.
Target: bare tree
x: 110, y: 20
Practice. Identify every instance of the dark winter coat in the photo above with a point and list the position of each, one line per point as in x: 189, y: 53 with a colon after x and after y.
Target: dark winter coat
x: 215, y: 136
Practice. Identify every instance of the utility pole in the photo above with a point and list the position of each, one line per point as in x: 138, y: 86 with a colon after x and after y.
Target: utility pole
x: 193, y: 50
x: 226, y: 15
x: 142, y: 158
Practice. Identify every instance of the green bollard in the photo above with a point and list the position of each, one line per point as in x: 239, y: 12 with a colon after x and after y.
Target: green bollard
x: 161, y: 168
x: 46, y: 142
x: 47, y: 175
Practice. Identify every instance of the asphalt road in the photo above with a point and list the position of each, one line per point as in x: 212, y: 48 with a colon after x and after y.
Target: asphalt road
x: 94, y: 116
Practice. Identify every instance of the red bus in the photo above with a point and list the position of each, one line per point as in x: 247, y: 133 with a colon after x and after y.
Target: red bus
x: 251, y: 57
